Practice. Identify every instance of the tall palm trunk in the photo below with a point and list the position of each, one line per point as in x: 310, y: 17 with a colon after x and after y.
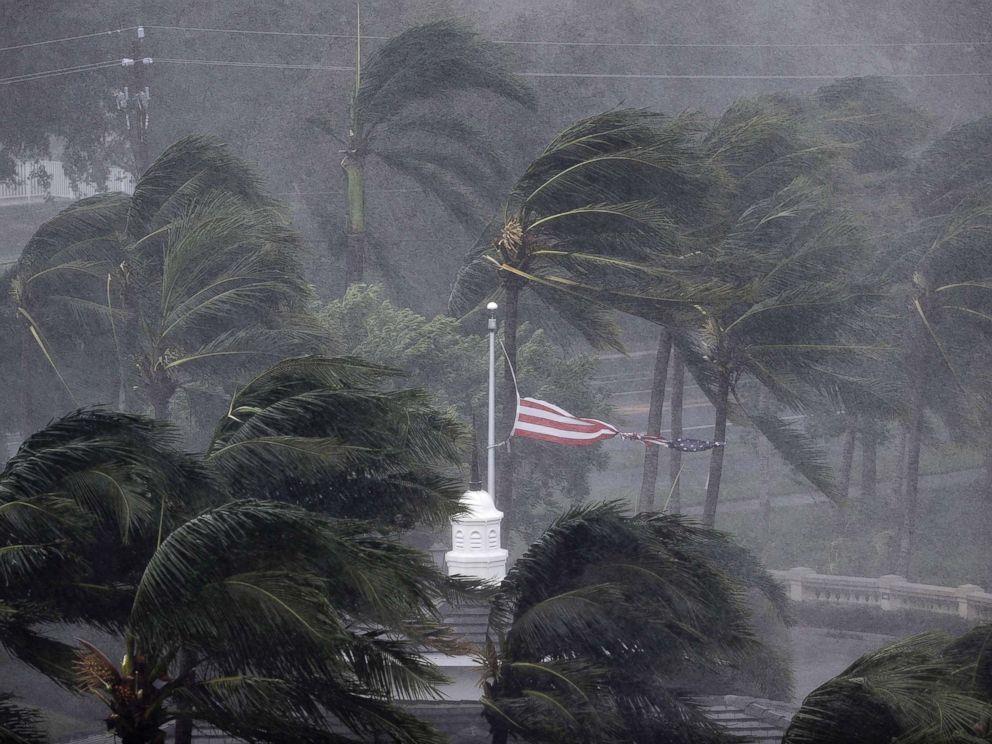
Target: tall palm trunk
x: 183, y: 732
x: 895, y: 495
x: 716, y: 456
x: 652, y: 454
x: 843, y: 513
x: 27, y: 394
x: 504, y: 487
x: 869, y: 470
x: 911, y: 479
x: 354, y: 259
x: 678, y: 392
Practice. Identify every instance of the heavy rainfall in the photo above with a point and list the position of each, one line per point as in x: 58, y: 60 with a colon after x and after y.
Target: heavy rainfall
x: 555, y: 372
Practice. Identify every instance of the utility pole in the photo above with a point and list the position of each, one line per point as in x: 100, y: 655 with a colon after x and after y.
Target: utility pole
x: 133, y: 102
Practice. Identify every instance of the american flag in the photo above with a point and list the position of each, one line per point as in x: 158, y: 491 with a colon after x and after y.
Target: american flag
x: 538, y: 419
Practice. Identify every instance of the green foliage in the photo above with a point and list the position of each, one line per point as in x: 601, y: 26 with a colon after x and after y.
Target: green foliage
x: 327, y: 434
x: 440, y: 356
x: 223, y: 585
x: 907, y: 691
x: 606, y: 195
x: 198, y: 271
x: 19, y: 724
x: 103, y: 524
x: 599, y: 620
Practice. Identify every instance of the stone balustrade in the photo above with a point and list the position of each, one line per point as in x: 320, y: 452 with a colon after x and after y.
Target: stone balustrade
x: 888, y: 593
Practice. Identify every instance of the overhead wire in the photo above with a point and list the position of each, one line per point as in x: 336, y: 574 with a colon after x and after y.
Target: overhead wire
x: 652, y: 44
x: 606, y: 75
x: 43, y: 74
x: 66, y: 38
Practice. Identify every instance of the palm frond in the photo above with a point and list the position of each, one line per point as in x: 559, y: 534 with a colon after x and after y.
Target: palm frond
x: 439, y: 58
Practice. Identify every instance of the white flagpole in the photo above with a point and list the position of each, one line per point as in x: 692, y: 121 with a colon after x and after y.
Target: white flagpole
x: 491, y: 449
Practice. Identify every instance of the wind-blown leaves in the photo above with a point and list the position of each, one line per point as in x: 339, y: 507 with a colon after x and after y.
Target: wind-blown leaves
x: 904, y: 692
x: 597, y: 620
x: 324, y: 432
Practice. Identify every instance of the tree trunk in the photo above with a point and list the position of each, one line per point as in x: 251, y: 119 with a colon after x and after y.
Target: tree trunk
x: 354, y: 259
x: 678, y: 392
x: 869, y: 470
x: 183, y: 733
x: 716, y: 456
x: 27, y: 394
x: 843, y: 513
x: 987, y: 464
x: 911, y: 480
x: 895, y: 496
x: 847, y: 463
x: 501, y: 736
x: 652, y: 454
x: 504, y: 485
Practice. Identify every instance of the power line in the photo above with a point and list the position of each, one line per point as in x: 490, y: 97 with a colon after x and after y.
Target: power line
x: 606, y: 75
x: 665, y: 76
x: 30, y: 76
x: 270, y: 65
x: 263, y: 33
x: 65, y: 38
x: 649, y: 44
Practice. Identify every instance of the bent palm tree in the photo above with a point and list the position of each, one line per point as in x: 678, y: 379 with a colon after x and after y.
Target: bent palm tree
x: 223, y: 585
x: 908, y: 691
x: 196, y: 268
x: 940, y: 272
x: 82, y: 504
x: 441, y: 153
x: 327, y: 434
x: 596, y: 623
x: 605, y: 197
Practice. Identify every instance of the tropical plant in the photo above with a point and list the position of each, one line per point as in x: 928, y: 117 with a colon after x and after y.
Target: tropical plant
x: 223, y: 585
x: 92, y: 511
x: 19, y: 724
x: 330, y: 435
x: 82, y: 504
x: 939, y: 273
x: 776, y: 299
x: 605, y: 196
x: 919, y: 689
x: 594, y: 627
x: 196, y: 269
x: 443, y: 154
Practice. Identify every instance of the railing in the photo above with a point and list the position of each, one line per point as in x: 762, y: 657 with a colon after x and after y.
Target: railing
x: 29, y: 184
x: 888, y: 593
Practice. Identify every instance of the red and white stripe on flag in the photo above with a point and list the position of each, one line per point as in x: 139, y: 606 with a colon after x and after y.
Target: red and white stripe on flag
x: 538, y: 419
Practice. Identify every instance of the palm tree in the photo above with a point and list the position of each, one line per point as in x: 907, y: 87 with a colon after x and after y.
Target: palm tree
x: 92, y: 512
x: 19, y: 724
x: 606, y: 195
x: 940, y: 275
x: 442, y: 153
x: 82, y: 504
x: 327, y: 434
x: 917, y: 689
x: 595, y: 625
x: 223, y: 585
x: 197, y: 268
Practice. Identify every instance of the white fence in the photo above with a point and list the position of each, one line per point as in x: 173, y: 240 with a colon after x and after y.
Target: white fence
x: 887, y: 592
x: 28, y: 186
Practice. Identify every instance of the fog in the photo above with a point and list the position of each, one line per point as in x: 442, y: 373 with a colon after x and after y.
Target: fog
x: 792, y: 294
